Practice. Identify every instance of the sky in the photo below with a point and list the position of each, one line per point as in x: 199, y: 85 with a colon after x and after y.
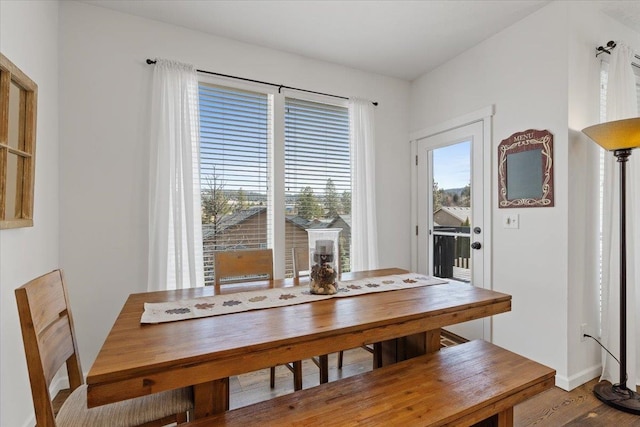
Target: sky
x: 452, y: 165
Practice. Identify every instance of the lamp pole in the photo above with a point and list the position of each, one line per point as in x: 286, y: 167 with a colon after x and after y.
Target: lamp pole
x: 623, y: 158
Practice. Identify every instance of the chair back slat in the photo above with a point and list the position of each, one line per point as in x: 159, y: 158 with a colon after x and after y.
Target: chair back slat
x: 49, y: 339
x: 300, y: 262
x: 56, y: 347
x: 243, y: 266
x: 46, y: 299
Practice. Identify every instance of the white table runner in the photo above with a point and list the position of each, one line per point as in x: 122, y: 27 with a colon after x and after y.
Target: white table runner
x: 276, y: 297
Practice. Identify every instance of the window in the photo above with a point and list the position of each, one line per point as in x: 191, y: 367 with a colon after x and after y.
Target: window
x: 317, y: 174
x: 604, y: 77
x: 18, y: 98
x: 234, y: 171
x: 237, y: 165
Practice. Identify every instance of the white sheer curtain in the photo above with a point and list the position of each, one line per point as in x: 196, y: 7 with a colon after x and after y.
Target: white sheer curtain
x: 175, y: 229
x: 364, y: 232
x: 621, y: 104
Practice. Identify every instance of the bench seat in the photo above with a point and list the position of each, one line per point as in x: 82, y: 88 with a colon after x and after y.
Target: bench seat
x: 457, y: 386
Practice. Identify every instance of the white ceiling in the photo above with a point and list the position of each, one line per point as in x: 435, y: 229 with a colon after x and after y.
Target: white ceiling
x: 403, y: 39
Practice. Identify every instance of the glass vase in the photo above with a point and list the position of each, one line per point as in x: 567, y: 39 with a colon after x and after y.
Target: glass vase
x: 324, y: 259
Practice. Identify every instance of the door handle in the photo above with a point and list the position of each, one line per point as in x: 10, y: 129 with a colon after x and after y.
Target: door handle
x: 476, y: 245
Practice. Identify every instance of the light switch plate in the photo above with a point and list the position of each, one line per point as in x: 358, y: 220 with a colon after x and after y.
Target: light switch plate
x: 511, y: 221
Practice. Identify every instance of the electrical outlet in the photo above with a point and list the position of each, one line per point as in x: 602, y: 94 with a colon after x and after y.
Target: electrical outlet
x: 511, y: 221
x: 583, y: 330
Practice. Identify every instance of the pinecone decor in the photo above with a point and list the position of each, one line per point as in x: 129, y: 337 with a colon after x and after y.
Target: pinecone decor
x: 323, y: 279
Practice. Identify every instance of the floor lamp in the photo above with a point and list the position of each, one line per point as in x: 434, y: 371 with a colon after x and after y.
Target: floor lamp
x: 620, y: 136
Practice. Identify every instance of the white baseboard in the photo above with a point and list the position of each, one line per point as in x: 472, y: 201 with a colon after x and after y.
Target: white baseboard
x: 578, y: 379
x: 31, y: 421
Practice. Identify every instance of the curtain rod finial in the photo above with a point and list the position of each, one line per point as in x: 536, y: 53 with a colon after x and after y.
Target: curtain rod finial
x: 610, y: 46
x: 151, y: 61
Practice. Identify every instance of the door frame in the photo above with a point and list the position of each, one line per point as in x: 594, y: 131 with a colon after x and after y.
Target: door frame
x: 483, y: 115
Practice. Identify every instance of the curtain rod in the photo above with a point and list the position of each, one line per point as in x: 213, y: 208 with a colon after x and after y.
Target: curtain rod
x: 609, y: 47
x: 279, y: 86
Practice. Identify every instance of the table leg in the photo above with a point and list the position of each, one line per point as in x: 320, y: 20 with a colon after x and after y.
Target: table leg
x: 323, y: 364
x: 501, y: 419
x: 211, y: 398
x: 414, y: 345
x: 297, y: 375
x: 432, y: 341
x: 389, y: 352
x: 505, y: 418
x: 377, y: 355
x: 399, y: 349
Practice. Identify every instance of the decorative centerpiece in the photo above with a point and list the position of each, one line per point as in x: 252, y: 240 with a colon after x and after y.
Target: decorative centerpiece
x: 323, y: 274
x: 323, y: 257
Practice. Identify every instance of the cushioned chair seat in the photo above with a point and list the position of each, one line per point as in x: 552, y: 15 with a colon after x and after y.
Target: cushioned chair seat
x: 132, y: 412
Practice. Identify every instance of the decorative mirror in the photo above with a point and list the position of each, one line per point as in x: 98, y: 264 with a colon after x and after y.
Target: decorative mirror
x: 525, y: 170
x: 18, y: 99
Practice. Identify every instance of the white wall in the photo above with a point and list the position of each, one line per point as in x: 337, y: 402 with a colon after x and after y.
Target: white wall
x: 540, y: 73
x: 29, y: 38
x: 103, y: 146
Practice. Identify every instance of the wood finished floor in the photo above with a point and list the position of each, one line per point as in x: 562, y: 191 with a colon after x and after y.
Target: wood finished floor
x: 553, y: 408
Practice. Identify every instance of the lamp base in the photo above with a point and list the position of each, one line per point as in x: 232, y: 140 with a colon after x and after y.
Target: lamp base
x: 617, y: 397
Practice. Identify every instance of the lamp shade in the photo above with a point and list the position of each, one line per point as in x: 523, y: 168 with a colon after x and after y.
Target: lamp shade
x: 616, y: 135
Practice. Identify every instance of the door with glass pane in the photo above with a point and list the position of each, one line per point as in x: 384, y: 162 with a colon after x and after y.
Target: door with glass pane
x: 450, y: 211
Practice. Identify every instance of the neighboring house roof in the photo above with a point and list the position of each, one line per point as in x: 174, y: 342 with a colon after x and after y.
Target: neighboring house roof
x: 232, y: 220
x: 298, y: 221
x: 318, y: 223
x: 237, y: 218
x: 458, y: 212
x: 345, y: 217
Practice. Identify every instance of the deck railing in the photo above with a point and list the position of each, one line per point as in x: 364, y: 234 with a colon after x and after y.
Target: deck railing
x: 451, y: 248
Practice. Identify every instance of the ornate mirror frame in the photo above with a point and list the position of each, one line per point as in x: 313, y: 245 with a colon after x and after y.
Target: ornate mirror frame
x: 525, y: 170
x: 18, y: 101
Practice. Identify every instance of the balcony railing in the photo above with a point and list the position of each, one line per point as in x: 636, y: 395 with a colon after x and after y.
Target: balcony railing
x: 452, y: 252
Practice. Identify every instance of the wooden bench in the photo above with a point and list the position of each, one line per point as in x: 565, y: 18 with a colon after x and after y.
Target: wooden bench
x: 471, y: 383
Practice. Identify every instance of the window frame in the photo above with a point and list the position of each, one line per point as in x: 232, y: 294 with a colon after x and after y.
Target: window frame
x: 25, y: 150
x: 342, y: 104
x: 262, y: 147
x: 280, y: 186
x: 276, y: 158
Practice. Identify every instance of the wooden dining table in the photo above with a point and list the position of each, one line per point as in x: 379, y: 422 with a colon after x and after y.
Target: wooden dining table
x: 139, y: 359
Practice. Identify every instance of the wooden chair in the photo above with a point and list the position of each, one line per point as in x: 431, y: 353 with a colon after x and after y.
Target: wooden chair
x: 49, y: 341
x: 301, y: 265
x: 245, y: 266
x: 300, y: 257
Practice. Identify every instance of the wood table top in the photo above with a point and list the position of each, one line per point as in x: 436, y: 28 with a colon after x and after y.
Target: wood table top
x: 225, y: 345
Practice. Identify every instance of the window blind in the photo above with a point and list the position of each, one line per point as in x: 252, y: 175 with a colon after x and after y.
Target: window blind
x: 317, y: 175
x: 235, y: 129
